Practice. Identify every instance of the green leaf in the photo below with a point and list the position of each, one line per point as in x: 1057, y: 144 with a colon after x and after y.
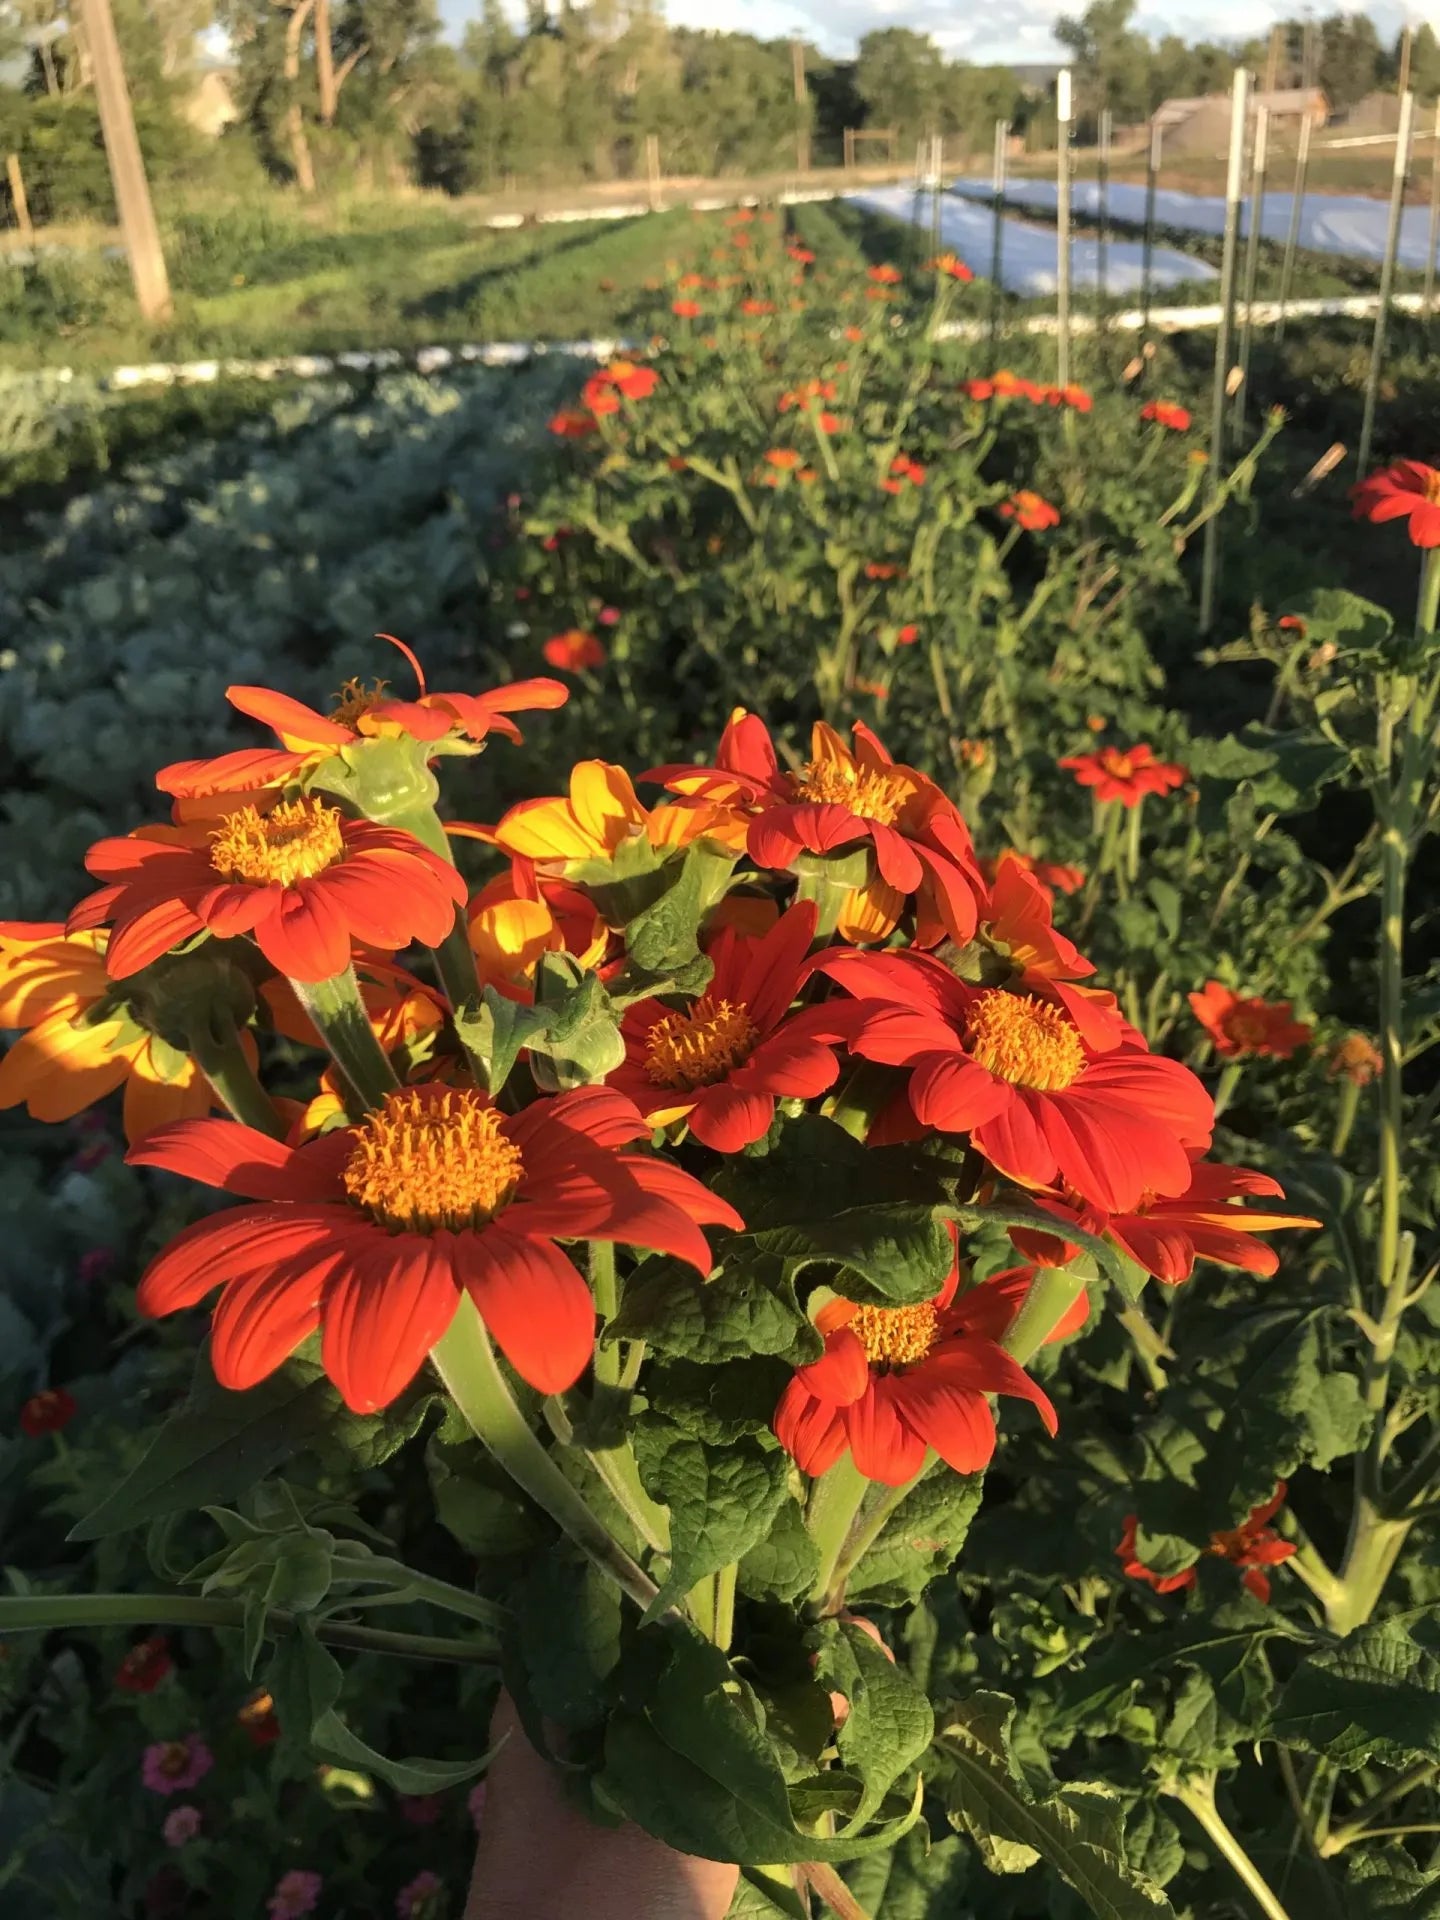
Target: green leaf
x: 306, y: 1680
x: 784, y: 1565
x: 921, y: 1879
x: 219, y: 1444
x: 567, y: 1634
x: 721, y: 1500
x: 1077, y: 1830
x: 687, y: 1758
x: 665, y: 935
x: 1384, y: 1883
x: 1221, y: 1646
x: 1375, y: 1697
x: 475, y: 1500
x: 889, y: 1724
x: 497, y: 1031
x: 747, y: 1306
x: 718, y: 1404
x: 923, y: 1537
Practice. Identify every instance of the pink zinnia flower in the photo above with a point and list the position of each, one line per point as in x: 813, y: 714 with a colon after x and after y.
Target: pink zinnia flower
x: 181, y: 1824
x: 413, y: 1902
x: 295, y: 1895
x: 174, y: 1766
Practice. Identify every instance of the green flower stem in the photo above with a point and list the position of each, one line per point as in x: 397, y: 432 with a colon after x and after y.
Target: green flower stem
x: 827, y: 452
x: 1345, y: 1112
x: 466, y: 1363
x: 221, y: 1059
x: 1053, y: 1292
x: 725, y: 1605
x: 871, y: 1521
x: 337, y: 1010
x: 40, y: 1613
x: 1427, y: 608
x: 829, y: 1515
x: 621, y: 1477
x: 606, y: 1290
x: 701, y: 1602
x: 1358, y: 1827
x: 1197, y: 1796
x: 439, y: 1593
x: 1132, y: 835
x: 1225, y: 1086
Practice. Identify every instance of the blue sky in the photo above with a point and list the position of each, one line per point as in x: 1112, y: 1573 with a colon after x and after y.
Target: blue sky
x: 1020, y: 30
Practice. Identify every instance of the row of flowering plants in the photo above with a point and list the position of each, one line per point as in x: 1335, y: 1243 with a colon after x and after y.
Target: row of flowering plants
x: 726, y: 1174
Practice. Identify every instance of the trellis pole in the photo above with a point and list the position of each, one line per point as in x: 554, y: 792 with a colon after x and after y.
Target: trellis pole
x: 1062, y: 229
x: 997, y: 235
x: 1387, y: 279
x: 1210, y: 561
x: 1252, y: 260
x: 1147, y: 248
x: 1292, y: 236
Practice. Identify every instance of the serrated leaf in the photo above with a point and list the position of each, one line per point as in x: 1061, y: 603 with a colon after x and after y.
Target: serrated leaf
x: 306, y: 1680
x: 719, y: 1403
x: 664, y: 934
x: 218, y: 1444
x: 924, y: 1535
x: 1375, y: 1697
x: 497, y: 1030
x: 890, y: 1723
x: 1076, y: 1830
x: 785, y: 1564
x: 722, y: 1500
x: 747, y: 1306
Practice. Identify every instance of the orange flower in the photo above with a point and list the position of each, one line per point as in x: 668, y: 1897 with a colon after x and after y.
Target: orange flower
x: 1407, y: 490
x: 854, y: 333
x: 1240, y: 1028
x: 1208, y: 1221
x: 573, y: 651
x: 1017, y: 923
x: 372, y: 1233
x: 362, y: 713
x: 302, y: 881
x: 951, y: 265
x: 882, y: 570
x: 806, y: 395
x: 1252, y: 1546
x: 754, y: 306
x: 570, y: 423
x: 1003, y: 385
x: 906, y: 636
x: 1029, y: 510
x: 1165, y: 413
x: 842, y: 799
x: 884, y: 276
x: 686, y: 309
x: 801, y: 254
x: 830, y: 422
x: 903, y: 469
x: 1050, y: 876
x: 895, y: 1381
x: 600, y: 815
x: 1125, y: 775
x: 517, y: 917
x: 1355, y: 1058
x: 84, y: 1039
x: 785, y: 458
x: 1077, y: 398
x: 603, y: 391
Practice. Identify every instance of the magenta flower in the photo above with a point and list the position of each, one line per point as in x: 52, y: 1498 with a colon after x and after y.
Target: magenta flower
x: 174, y: 1766
x: 476, y: 1803
x: 296, y: 1894
x: 181, y: 1824
x: 414, y: 1902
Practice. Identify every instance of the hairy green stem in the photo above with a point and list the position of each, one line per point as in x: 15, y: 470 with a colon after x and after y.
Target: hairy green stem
x: 466, y: 1363
x: 221, y: 1058
x: 725, y: 1581
x: 871, y: 1521
x: 339, y: 1016
x: 39, y: 1613
x: 1197, y: 1796
x: 829, y: 1514
x: 1053, y: 1292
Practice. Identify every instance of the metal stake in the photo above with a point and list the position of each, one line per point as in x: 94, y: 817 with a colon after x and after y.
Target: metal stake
x: 1147, y: 251
x: 1428, y: 302
x: 997, y: 238
x: 1062, y: 229
x: 1292, y: 237
x: 1252, y: 260
x: 1210, y: 564
x: 1387, y: 278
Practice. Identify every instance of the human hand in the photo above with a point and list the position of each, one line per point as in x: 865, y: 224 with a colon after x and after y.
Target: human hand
x: 539, y: 1858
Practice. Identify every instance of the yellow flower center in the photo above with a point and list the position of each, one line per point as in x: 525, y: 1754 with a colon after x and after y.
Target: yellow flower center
x: 424, y: 1161
x: 873, y: 793
x: 696, y: 1049
x: 1432, y: 486
x: 1117, y: 763
x: 356, y: 698
x: 1025, y: 1041
x: 294, y: 841
x: 896, y: 1336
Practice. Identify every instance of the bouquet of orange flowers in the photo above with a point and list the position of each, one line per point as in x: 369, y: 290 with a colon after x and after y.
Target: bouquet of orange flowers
x: 721, y: 1162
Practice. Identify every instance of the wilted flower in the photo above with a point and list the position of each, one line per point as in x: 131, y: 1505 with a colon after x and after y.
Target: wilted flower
x: 1356, y: 1059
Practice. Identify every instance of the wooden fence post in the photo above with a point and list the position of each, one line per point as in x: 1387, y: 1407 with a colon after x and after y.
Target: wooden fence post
x: 17, y: 196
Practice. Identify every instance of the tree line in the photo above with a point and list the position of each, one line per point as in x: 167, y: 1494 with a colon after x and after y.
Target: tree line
x: 340, y: 93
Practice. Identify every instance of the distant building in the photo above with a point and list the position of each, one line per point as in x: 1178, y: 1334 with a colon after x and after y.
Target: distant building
x: 1201, y: 124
